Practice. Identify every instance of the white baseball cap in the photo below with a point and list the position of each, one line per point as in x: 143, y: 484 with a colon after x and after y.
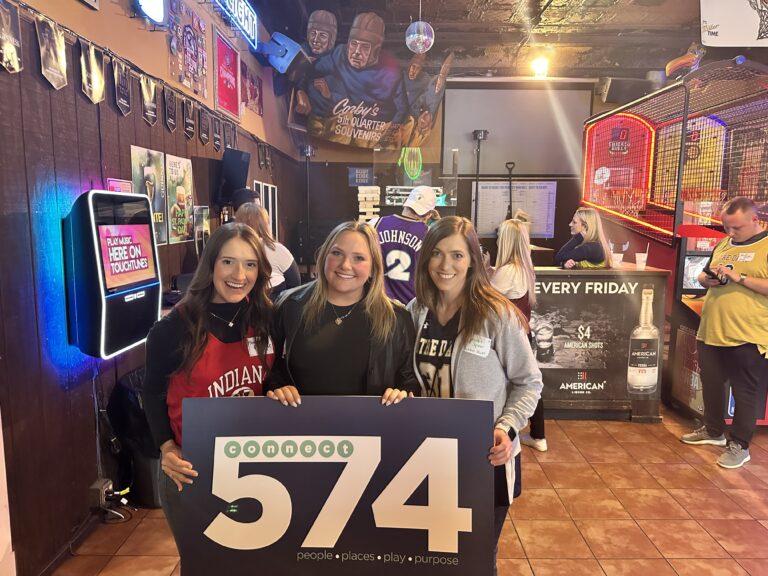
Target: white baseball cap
x: 421, y: 200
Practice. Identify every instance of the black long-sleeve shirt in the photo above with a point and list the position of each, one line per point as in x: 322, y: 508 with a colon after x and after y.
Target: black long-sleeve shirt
x: 578, y: 250
x: 164, y: 357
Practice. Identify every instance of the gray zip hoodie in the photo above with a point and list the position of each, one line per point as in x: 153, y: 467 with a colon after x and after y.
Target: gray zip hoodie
x: 496, y: 365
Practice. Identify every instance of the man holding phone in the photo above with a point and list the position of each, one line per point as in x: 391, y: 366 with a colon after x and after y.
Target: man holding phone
x: 733, y: 333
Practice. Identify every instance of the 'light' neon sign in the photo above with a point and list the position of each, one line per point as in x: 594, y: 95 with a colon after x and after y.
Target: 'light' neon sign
x: 243, y: 16
x: 153, y: 9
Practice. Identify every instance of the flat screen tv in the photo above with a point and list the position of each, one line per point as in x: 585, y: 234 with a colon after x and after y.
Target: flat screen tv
x: 692, y: 267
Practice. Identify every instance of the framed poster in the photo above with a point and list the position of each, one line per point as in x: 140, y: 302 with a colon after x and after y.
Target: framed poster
x: 181, y: 199
x: 148, y: 177
x: 226, y: 78
x: 338, y: 486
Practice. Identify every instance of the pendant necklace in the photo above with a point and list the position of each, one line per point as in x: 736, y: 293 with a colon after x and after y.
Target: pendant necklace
x: 340, y: 319
x: 230, y: 323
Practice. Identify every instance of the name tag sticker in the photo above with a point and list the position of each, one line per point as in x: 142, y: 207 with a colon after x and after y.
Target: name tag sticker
x: 746, y: 257
x: 479, y: 346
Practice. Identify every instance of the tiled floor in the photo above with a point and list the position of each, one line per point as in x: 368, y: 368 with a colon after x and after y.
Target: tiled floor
x: 608, y: 498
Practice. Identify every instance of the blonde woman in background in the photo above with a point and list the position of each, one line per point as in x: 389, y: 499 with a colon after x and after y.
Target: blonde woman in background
x: 587, y: 247
x: 515, y: 278
x: 285, y: 272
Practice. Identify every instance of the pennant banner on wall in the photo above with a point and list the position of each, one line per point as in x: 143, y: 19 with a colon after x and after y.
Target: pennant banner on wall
x: 92, y: 71
x: 148, y: 100
x: 734, y: 24
x: 204, y: 125
x: 189, y: 118
x: 229, y: 137
x: 53, y: 55
x: 10, y: 38
x: 122, y: 74
x: 170, y: 109
x: 216, y: 133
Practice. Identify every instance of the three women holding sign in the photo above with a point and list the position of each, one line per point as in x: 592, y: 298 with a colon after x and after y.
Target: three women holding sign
x: 471, y: 340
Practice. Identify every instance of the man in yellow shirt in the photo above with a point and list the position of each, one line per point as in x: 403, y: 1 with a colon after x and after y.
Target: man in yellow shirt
x: 733, y: 333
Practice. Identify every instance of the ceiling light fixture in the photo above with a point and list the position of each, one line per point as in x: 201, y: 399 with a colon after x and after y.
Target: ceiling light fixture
x: 540, y: 67
x: 420, y: 36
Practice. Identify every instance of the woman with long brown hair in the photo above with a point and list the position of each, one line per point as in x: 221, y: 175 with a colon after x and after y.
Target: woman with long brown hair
x: 344, y: 313
x: 221, y: 326
x: 471, y: 343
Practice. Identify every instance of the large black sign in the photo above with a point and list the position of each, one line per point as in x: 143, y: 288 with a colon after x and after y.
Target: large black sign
x: 588, y: 339
x: 339, y: 486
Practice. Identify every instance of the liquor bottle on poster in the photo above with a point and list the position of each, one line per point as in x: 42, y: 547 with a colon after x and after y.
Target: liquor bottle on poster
x: 643, y: 366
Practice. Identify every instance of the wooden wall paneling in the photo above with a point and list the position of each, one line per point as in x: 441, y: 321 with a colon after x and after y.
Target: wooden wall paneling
x: 108, y: 114
x: 63, y: 366
x: 126, y: 131
x: 95, y: 135
x: 89, y: 136
x: 15, y: 245
x: 169, y: 264
x: 35, y: 540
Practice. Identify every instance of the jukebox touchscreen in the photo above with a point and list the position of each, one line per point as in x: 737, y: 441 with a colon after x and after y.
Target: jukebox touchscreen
x: 113, y: 280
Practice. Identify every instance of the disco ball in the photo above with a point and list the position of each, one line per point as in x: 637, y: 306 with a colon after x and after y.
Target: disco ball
x: 419, y: 37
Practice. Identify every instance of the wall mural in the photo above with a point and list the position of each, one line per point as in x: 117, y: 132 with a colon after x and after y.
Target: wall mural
x: 359, y: 94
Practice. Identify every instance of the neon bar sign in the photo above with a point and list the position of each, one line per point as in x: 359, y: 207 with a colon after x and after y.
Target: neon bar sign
x: 243, y: 16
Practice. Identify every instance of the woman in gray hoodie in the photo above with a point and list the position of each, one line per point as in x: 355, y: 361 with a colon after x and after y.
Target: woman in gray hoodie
x: 471, y: 343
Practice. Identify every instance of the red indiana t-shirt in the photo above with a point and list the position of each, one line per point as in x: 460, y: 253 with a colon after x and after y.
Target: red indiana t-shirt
x: 233, y: 369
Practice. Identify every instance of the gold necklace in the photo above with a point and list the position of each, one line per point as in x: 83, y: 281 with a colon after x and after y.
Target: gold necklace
x: 340, y: 319
x: 230, y: 323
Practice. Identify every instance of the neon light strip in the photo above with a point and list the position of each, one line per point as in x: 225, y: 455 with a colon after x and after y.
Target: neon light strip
x: 625, y: 217
x: 243, y: 16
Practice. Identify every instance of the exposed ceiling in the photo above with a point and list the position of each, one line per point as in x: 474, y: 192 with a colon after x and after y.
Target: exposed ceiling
x: 584, y: 38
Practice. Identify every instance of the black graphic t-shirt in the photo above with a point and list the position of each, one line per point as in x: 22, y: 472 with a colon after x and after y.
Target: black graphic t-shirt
x: 433, y: 355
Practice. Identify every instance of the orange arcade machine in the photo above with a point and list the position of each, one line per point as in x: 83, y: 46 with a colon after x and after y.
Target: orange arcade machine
x: 659, y: 169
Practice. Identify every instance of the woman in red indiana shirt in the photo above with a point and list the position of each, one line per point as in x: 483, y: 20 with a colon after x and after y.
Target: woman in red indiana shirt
x: 214, y: 343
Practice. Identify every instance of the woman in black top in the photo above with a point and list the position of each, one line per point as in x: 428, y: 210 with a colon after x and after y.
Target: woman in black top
x: 345, y: 313
x: 587, y: 247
